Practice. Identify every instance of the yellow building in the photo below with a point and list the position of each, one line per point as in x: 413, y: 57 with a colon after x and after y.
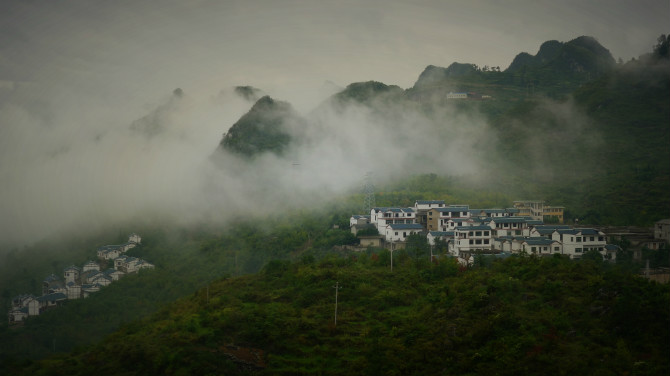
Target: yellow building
x: 538, y: 210
x: 553, y: 211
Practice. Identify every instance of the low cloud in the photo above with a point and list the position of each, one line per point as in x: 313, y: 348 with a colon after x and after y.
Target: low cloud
x: 70, y: 166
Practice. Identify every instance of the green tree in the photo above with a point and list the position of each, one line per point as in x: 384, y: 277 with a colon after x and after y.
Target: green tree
x: 417, y: 246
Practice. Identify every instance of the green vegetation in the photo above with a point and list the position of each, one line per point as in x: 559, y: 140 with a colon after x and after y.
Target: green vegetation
x: 262, y: 129
x: 521, y: 315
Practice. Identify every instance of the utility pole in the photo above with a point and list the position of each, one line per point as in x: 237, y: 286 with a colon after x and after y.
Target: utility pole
x: 369, y: 192
x: 337, y: 287
x: 391, y: 258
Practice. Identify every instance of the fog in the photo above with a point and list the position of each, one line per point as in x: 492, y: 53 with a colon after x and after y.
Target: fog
x: 92, y: 134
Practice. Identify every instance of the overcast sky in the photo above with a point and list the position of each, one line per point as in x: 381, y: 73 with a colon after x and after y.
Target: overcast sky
x: 75, y: 74
x: 149, y: 47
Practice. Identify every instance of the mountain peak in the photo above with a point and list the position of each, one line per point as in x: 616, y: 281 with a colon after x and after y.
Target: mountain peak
x: 582, y: 54
x: 433, y: 75
x: 264, y: 128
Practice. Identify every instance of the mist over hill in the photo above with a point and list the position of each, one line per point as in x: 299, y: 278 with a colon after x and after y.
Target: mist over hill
x: 522, y: 130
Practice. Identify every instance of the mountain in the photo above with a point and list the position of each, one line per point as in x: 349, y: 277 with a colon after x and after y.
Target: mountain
x: 555, y: 71
x: 155, y: 122
x: 249, y: 93
x: 265, y: 128
x: 433, y: 75
x: 583, y: 54
x: 367, y: 92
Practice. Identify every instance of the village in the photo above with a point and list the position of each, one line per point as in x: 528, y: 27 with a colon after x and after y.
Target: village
x: 79, y: 282
x: 465, y: 232
x: 458, y: 231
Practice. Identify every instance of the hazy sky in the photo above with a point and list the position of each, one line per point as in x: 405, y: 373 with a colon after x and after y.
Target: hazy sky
x: 146, y: 48
x: 75, y: 74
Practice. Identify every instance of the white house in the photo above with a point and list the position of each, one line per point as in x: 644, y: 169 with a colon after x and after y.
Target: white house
x: 359, y: 220
x: 510, y: 244
x: 101, y: 279
x: 119, y: 262
x: 493, y: 213
x: 51, y: 300
x: 541, y: 246
x: 71, y: 274
x: 52, y: 284
x: 546, y: 230
x: 381, y: 217
x: 109, y: 252
x: 400, y: 232
x: 662, y: 230
x: 88, y: 276
x: 114, y: 274
x: 91, y: 265
x: 433, y: 236
x: 579, y: 240
x: 89, y: 289
x: 428, y: 204
x: 452, y: 95
x: 134, y: 238
x: 73, y: 290
x: 16, y: 315
x: 472, y: 238
x: 510, y: 226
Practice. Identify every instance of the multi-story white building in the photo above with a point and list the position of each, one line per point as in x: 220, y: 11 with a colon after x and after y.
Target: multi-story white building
x: 471, y: 238
x: 509, y: 226
x: 579, y: 240
x: 381, y: 217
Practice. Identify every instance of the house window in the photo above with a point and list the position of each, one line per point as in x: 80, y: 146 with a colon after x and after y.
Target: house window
x: 470, y: 241
x: 486, y: 233
x: 555, y: 249
x: 396, y: 233
x: 404, y: 234
x: 478, y: 241
x: 578, y: 250
x: 533, y: 249
x: 593, y: 238
x: 486, y: 241
x: 478, y: 233
x: 579, y: 239
x: 600, y: 239
x: 517, y: 232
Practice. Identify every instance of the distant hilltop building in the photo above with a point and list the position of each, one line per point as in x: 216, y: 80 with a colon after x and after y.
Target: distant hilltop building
x: 452, y: 95
x: 469, y: 95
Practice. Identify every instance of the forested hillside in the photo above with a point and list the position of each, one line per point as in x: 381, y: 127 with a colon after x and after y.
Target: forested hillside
x: 521, y: 315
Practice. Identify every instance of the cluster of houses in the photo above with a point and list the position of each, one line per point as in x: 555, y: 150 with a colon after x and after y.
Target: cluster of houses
x: 79, y: 282
x: 464, y: 231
